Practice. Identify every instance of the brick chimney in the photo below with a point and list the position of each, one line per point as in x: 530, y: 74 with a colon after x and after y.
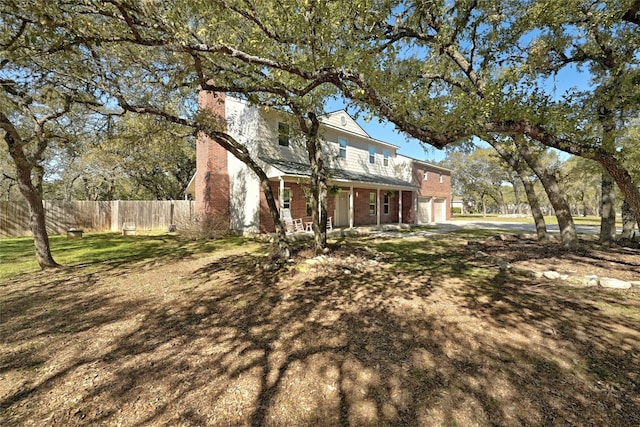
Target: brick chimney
x: 212, y: 173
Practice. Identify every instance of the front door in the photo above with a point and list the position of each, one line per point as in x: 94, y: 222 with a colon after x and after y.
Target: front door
x: 342, y: 210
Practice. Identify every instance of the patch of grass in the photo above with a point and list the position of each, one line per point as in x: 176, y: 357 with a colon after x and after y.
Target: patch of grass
x: 442, y: 257
x: 17, y: 255
x: 549, y: 220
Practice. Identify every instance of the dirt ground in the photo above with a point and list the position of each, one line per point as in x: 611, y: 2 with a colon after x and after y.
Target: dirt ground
x: 406, y: 332
x: 589, y: 259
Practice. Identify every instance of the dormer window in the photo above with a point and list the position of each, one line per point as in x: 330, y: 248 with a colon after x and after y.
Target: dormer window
x: 372, y: 155
x: 385, y: 154
x: 283, y: 134
x: 342, y: 148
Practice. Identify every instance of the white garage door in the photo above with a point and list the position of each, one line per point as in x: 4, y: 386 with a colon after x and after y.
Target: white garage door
x: 440, y: 210
x: 424, y: 210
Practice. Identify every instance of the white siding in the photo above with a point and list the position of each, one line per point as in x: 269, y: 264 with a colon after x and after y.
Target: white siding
x: 261, y: 136
x: 243, y: 124
x: 341, y: 120
x: 357, y: 159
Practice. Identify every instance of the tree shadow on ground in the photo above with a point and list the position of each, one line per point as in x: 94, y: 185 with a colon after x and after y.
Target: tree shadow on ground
x: 426, y: 337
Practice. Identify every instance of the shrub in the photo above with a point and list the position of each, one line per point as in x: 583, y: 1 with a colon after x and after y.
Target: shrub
x: 209, y: 227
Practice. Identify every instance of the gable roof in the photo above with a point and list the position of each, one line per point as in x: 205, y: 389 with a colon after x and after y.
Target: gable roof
x: 343, y: 121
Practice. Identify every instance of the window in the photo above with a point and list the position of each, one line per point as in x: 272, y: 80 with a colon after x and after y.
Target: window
x: 385, y: 154
x: 286, y: 199
x: 342, y: 149
x: 372, y: 203
x: 372, y: 155
x: 385, y: 204
x: 441, y: 179
x: 283, y: 134
x: 426, y: 176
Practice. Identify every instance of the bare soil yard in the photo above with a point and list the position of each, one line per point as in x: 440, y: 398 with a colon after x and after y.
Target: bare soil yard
x: 414, y: 331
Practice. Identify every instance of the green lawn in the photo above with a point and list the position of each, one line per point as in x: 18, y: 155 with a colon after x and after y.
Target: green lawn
x: 17, y: 254
x: 579, y: 220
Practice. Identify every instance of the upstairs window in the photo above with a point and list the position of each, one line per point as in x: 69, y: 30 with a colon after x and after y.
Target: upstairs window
x: 372, y: 203
x: 426, y: 176
x: 441, y: 179
x: 342, y: 149
x: 283, y: 134
x: 372, y: 155
x: 385, y: 154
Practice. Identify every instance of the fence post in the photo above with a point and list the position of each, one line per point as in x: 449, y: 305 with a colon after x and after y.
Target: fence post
x: 114, y: 206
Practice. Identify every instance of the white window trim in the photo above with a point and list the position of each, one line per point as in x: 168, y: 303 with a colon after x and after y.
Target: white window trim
x: 341, y: 149
x: 374, y: 204
x: 286, y: 190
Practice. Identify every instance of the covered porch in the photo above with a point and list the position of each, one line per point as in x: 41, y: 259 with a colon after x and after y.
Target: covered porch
x: 353, y: 200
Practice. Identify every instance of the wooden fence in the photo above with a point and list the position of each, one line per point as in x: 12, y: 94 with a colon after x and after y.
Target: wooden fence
x: 96, y: 216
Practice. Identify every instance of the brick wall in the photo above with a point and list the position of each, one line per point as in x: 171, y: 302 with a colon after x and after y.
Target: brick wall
x: 407, y: 207
x: 212, y: 179
x: 361, y: 215
x: 432, y: 187
x: 266, y: 221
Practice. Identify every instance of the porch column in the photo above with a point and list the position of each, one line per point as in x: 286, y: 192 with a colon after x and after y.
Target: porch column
x: 351, y: 207
x: 281, y: 196
x: 378, y: 207
x: 399, y: 206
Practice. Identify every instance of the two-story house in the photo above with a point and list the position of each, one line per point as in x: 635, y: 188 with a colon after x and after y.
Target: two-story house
x: 370, y: 183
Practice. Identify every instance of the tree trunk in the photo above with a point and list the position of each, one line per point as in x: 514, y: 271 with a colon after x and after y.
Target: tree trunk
x: 536, y: 212
x: 554, y: 192
x: 628, y: 221
x: 281, y: 241
x: 607, y: 204
x: 31, y: 191
x: 37, y: 223
x: 318, y: 182
x: 607, y: 210
x: 625, y: 183
x: 514, y: 160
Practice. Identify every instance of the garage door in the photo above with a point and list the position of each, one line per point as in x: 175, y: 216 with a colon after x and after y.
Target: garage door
x: 440, y: 210
x: 424, y: 210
